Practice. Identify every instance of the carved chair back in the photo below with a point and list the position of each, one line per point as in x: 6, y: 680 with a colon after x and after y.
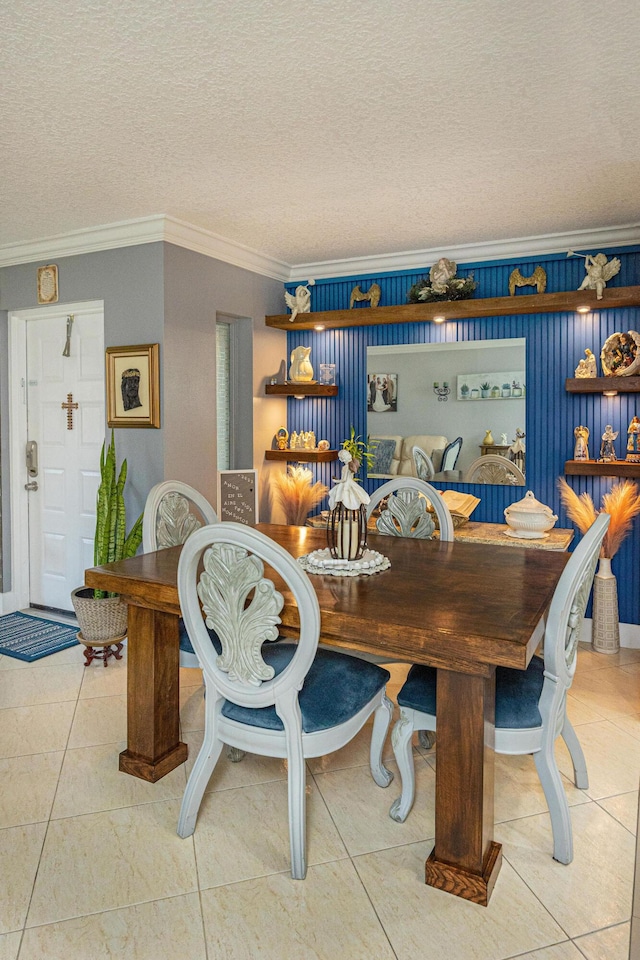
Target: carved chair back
x: 169, y: 516
x: 493, y: 468
x: 423, y: 464
x: 407, y: 514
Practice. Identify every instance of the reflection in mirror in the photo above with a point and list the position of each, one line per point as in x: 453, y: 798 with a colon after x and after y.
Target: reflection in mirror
x: 428, y: 394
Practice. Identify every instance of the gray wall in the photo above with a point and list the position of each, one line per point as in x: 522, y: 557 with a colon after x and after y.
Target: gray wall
x: 160, y: 293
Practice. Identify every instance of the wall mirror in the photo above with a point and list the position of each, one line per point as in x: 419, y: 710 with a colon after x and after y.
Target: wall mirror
x: 444, y: 391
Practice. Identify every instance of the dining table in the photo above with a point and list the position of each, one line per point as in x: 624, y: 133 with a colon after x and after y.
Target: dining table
x: 463, y: 608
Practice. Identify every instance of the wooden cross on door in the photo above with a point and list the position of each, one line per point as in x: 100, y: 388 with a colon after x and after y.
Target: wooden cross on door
x: 69, y: 406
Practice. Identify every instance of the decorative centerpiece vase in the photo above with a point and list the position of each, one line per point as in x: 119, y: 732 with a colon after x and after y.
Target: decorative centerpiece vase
x: 606, y: 628
x: 347, y: 526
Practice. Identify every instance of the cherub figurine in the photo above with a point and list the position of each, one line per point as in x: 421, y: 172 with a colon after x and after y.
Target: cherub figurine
x: 581, y: 449
x: 440, y: 274
x: 301, y: 302
x: 587, y: 367
x: 607, y: 450
x: 599, y: 271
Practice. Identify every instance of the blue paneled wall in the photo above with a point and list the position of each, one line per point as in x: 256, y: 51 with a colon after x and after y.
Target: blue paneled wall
x: 555, y: 343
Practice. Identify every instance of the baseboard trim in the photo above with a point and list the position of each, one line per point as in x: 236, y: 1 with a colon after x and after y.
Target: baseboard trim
x: 629, y: 634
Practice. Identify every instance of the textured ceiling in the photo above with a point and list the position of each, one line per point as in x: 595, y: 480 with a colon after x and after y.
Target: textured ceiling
x: 316, y: 131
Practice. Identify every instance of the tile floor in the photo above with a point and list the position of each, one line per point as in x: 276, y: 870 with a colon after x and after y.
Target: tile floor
x: 91, y: 866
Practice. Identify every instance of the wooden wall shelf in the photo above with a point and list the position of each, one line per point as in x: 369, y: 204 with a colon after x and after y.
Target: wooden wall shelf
x: 568, y: 300
x: 618, y: 468
x: 600, y: 384
x: 302, y: 456
x: 301, y: 389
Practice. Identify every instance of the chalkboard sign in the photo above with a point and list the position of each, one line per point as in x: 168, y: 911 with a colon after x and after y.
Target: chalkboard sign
x: 238, y: 496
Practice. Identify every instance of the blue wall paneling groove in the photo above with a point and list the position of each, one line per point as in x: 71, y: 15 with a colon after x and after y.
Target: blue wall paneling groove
x: 555, y: 343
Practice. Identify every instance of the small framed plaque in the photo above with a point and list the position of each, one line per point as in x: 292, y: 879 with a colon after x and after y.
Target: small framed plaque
x: 48, y: 284
x: 238, y: 496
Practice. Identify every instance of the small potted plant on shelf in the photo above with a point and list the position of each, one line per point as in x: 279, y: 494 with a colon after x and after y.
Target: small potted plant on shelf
x: 102, y: 617
x: 464, y: 391
x: 485, y: 389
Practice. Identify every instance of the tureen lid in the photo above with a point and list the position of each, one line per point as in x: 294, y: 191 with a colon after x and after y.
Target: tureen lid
x: 529, y: 504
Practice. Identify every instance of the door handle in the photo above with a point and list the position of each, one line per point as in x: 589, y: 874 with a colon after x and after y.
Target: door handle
x: 31, y: 457
x: 32, y: 485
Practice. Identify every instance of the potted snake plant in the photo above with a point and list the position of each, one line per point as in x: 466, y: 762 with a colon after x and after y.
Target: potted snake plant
x: 102, y: 617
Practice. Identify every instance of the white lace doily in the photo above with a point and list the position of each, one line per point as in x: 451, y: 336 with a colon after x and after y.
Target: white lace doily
x: 321, y: 561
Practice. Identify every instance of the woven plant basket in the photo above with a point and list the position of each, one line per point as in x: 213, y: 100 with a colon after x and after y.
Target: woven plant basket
x: 99, y: 620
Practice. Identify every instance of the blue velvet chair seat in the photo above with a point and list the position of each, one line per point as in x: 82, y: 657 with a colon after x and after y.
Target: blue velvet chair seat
x: 185, y: 643
x: 517, y: 694
x: 336, y: 687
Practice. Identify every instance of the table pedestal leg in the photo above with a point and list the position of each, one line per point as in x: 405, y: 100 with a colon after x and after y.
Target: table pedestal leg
x: 465, y: 860
x: 153, y: 695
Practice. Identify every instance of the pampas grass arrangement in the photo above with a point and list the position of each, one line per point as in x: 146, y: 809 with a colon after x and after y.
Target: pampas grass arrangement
x: 622, y: 503
x: 297, y: 495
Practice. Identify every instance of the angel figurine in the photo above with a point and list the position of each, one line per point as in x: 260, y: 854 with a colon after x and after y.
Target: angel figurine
x: 599, y: 271
x: 347, y: 490
x: 607, y: 450
x: 301, y: 302
x: 581, y: 448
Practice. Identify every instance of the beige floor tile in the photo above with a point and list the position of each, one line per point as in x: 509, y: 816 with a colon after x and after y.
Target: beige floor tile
x: 101, y: 720
x: 590, y: 659
x: 191, y: 708
x: 9, y: 945
x: 26, y: 688
x: 28, y: 787
x: 190, y: 677
x: 612, y: 691
x: 560, y: 951
x: 72, y: 655
x: 243, y: 834
x: 90, y: 781
x: 579, y: 712
x: 38, y: 729
x: 161, y: 930
x: 609, y: 944
x: 518, y: 791
x: 591, y: 892
x: 101, y: 681
x: 613, y: 759
x: 325, y: 917
x: 20, y: 849
x: 624, y: 808
x: 228, y: 775
x: 111, y: 860
x: 360, y: 808
x: 630, y: 724
x: 415, y: 915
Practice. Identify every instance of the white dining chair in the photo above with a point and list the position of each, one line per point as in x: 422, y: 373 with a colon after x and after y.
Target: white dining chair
x: 492, y: 468
x: 423, y: 464
x: 530, y: 708
x: 173, y: 510
x: 287, y: 700
x: 407, y: 513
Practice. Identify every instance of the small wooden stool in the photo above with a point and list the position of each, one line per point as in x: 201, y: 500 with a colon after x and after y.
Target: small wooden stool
x: 102, y: 650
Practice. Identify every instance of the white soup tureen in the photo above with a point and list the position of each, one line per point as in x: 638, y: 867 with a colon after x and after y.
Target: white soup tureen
x: 528, y: 519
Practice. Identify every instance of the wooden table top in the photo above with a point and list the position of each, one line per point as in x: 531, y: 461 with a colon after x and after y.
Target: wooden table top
x: 460, y: 605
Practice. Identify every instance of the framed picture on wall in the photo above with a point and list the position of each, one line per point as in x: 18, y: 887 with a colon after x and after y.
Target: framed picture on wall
x: 382, y: 392
x: 133, y: 386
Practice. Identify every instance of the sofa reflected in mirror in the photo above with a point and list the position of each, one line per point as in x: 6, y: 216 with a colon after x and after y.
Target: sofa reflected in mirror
x: 458, y: 421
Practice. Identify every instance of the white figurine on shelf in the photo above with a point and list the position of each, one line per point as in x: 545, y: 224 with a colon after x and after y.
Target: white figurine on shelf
x: 607, y: 449
x: 503, y: 440
x: 347, y: 490
x: 581, y: 449
x: 300, y: 302
x: 301, y: 370
x: 587, y: 367
x: 599, y: 271
x: 440, y: 274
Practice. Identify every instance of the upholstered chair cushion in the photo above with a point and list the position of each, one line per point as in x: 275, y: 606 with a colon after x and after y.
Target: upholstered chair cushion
x: 185, y: 643
x: 517, y: 693
x: 383, y: 451
x: 336, y: 687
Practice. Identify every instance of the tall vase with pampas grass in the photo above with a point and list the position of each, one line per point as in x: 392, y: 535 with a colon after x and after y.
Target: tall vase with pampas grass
x: 622, y: 502
x: 296, y: 493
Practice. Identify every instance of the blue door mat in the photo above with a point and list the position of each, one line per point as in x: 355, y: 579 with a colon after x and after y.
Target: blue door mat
x: 30, y: 638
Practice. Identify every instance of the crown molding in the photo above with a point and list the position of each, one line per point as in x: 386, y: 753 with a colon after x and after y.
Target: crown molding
x: 128, y: 233
x: 162, y: 228
x: 521, y: 248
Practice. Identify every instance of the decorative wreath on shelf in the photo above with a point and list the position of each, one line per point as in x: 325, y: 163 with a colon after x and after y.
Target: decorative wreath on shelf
x: 457, y: 288
x: 620, y: 356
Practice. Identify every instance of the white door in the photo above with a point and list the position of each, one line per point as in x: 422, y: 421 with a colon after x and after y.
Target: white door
x: 62, y: 498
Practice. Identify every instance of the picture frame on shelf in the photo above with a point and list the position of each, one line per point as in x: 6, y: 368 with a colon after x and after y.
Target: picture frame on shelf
x: 133, y: 386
